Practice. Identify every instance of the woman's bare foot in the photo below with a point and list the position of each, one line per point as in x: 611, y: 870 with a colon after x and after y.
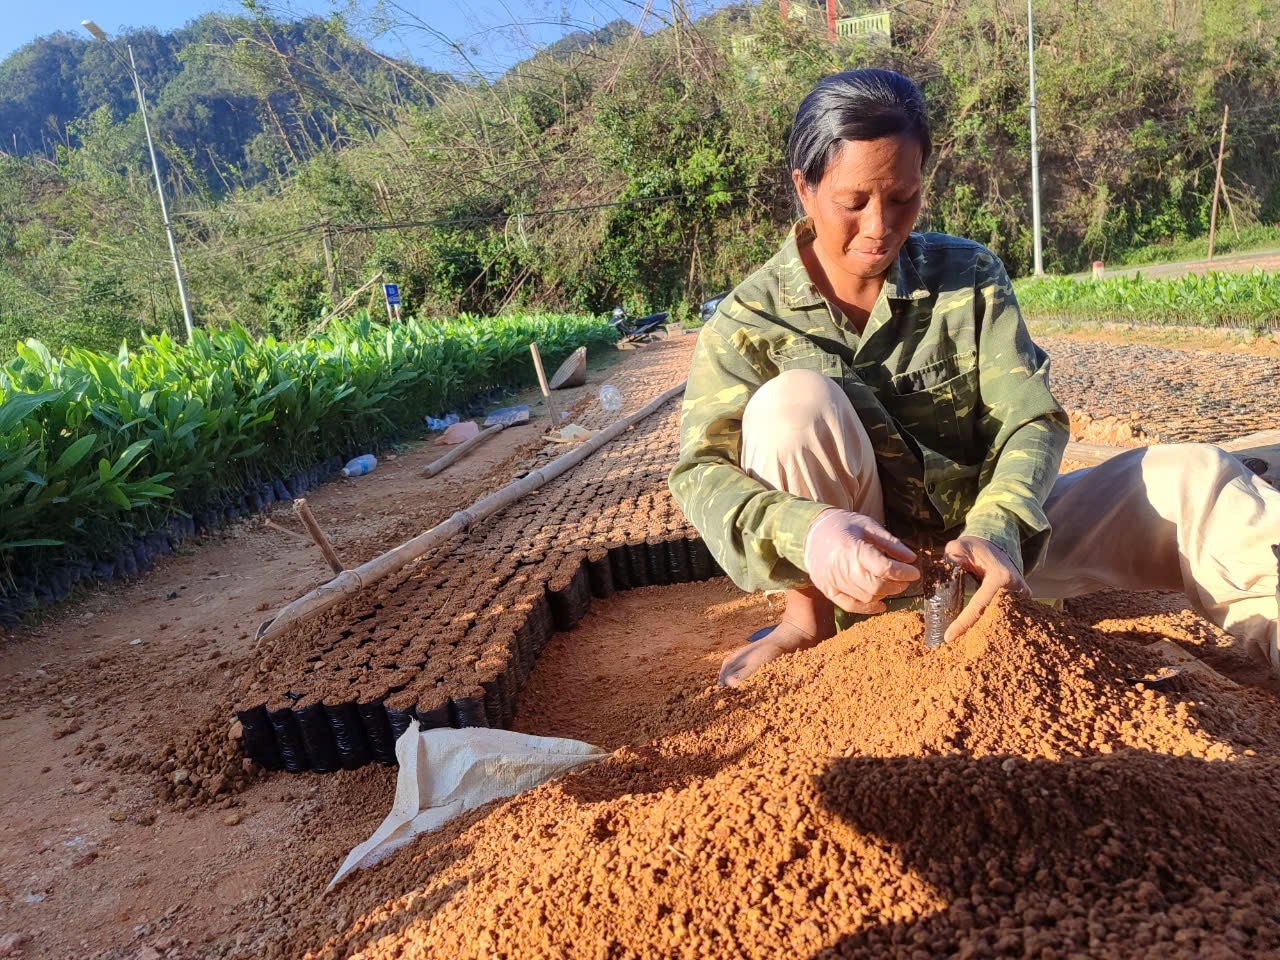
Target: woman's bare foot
x: 809, y: 619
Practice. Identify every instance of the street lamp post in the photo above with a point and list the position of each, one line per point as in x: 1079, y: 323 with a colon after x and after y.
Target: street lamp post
x: 97, y: 31
x: 1035, y: 152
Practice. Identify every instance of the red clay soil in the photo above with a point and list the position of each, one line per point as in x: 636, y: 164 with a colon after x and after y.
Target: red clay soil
x: 1112, y: 431
x: 1011, y: 794
x: 619, y: 677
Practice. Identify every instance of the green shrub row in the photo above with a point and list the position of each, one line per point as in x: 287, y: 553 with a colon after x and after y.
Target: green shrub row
x: 98, y: 450
x: 1250, y: 300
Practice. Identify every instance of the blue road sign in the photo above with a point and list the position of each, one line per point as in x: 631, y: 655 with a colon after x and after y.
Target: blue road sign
x: 392, y: 291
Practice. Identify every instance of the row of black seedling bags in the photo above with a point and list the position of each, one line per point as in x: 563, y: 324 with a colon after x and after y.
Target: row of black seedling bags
x: 323, y: 737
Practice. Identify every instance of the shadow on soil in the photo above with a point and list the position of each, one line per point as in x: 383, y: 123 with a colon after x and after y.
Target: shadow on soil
x: 1060, y: 848
x: 389, y: 917
x: 643, y: 770
x: 1170, y: 619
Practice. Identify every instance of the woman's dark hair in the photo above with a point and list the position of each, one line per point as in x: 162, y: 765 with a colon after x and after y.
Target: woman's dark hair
x: 854, y: 105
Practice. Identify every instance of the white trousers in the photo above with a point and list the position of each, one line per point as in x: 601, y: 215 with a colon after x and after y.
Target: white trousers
x: 1185, y: 516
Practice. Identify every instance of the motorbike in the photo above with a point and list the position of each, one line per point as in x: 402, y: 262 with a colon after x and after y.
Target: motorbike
x: 640, y: 329
x: 653, y: 326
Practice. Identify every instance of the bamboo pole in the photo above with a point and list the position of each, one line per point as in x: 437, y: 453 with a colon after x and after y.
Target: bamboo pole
x: 304, y: 514
x: 1231, y: 211
x: 436, y: 466
x: 352, y: 581
x: 1217, y: 182
x: 542, y: 382
x: 271, y: 524
x: 327, y: 239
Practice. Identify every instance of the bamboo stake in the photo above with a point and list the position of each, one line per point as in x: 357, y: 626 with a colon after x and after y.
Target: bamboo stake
x: 1213, y: 212
x: 327, y: 239
x: 436, y: 466
x: 542, y: 382
x: 293, y: 533
x: 1231, y: 211
x: 304, y: 514
x: 352, y: 581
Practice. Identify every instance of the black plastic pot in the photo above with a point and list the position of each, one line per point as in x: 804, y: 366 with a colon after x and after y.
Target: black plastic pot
x: 159, y: 544
x: 60, y: 584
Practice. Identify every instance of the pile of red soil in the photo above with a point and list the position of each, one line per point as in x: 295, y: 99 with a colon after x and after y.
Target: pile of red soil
x: 1010, y: 794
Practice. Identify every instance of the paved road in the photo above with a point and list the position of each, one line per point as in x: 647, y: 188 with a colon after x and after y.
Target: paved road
x: 1227, y: 263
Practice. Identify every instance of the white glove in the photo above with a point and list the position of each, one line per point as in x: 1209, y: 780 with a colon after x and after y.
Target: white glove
x: 856, y: 562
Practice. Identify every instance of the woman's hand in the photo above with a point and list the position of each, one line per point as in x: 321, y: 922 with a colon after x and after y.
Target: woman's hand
x: 856, y: 562
x: 993, y: 567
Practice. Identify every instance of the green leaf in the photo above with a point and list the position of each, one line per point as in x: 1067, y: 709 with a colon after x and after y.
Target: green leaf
x: 17, y: 407
x: 130, y: 454
x: 75, y: 453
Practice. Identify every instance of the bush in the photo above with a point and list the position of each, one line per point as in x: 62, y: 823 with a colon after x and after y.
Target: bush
x: 100, y: 451
x: 1250, y: 300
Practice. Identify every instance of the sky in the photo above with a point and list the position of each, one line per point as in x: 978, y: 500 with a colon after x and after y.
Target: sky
x: 454, y: 35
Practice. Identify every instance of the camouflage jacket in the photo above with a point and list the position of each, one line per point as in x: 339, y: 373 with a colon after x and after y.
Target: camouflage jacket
x: 952, y: 391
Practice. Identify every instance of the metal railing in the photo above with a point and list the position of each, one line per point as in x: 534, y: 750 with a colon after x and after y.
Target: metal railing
x: 746, y: 45
x: 873, y: 24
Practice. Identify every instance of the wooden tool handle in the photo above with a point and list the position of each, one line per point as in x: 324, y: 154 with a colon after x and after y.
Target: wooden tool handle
x: 304, y: 514
x: 436, y: 466
x: 542, y: 382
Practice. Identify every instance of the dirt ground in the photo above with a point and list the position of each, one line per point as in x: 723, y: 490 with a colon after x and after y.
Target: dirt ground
x: 92, y: 864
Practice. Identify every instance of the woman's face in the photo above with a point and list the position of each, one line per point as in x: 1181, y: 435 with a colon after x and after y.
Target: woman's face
x: 864, y: 206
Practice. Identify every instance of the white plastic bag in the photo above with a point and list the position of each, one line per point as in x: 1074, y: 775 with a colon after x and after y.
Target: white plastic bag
x: 570, y: 433
x: 444, y: 773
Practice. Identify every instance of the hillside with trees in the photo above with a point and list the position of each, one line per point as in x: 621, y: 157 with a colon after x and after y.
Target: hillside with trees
x: 633, y: 167
x: 235, y: 100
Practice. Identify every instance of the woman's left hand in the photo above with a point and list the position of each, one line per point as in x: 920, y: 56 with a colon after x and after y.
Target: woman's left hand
x: 993, y: 567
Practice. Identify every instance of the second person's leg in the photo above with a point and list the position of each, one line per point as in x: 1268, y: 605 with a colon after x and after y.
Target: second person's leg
x: 1186, y: 517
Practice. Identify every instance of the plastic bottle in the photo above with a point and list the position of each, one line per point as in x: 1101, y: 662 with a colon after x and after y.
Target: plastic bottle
x: 360, y: 465
x: 611, y: 398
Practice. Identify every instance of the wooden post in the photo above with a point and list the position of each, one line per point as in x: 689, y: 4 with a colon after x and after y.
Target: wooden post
x: 327, y: 239
x: 304, y: 514
x: 1217, y: 181
x: 542, y: 382
x: 831, y: 20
